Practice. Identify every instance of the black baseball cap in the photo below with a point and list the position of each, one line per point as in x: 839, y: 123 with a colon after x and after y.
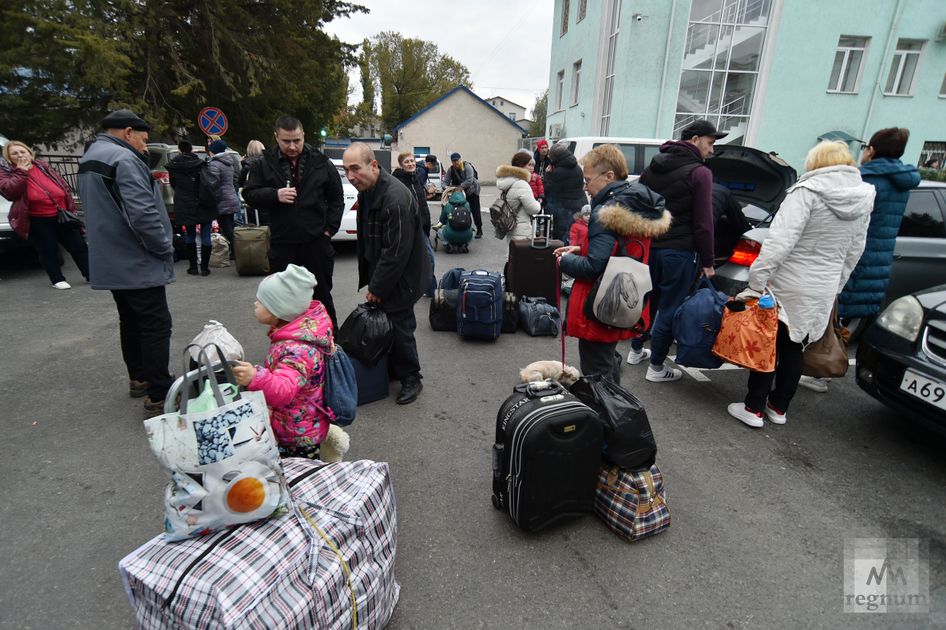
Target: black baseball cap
x: 701, y: 128
x: 124, y: 118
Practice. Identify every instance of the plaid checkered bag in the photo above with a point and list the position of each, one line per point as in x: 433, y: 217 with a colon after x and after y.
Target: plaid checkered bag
x: 281, y: 573
x: 632, y: 504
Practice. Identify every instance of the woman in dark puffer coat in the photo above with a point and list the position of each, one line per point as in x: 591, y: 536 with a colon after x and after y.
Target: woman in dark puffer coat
x: 881, y: 167
x: 564, y: 190
x: 614, y: 218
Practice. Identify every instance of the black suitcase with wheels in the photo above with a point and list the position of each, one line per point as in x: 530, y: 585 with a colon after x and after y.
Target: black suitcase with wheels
x: 443, y: 310
x: 532, y: 268
x: 546, y: 456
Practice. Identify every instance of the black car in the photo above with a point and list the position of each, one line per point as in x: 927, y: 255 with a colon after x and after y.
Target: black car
x: 901, y: 359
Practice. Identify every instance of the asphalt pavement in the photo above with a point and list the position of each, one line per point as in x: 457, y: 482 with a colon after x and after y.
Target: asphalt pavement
x: 760, y: 518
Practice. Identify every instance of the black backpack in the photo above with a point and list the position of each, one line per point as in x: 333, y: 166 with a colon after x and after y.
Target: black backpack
x: 205, y: 191
x: 460, y: 218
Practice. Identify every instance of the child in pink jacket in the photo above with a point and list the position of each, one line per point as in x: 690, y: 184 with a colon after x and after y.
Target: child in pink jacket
x: 293, y: 376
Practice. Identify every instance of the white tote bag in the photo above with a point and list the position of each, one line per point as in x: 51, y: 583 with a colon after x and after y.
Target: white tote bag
x: 221, y: 453
x: 617, y: 298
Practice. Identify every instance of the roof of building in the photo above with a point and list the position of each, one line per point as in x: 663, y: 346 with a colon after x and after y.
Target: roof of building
x: 491, y: 98
x: 446, y: 96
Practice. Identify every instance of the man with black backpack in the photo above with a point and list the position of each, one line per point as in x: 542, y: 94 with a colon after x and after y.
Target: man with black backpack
x: 464, y: 175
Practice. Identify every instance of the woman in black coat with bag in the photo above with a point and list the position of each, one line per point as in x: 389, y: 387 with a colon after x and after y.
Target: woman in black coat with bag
x: 564, y: 190
x: 407, y: 174
x: 184, y: 171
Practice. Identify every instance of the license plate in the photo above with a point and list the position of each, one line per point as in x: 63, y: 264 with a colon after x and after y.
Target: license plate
x: 923, y: 388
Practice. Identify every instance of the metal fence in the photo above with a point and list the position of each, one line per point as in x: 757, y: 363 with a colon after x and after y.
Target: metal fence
x: 65, y: 165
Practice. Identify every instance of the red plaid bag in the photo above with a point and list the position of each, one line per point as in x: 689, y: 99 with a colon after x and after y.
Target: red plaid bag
x: 632, y: 504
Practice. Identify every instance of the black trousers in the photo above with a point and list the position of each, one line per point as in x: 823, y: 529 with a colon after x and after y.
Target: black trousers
x: 788, y: 364
x: 475, y: 211
x: 46, y: 233
x: 145, y: 331
x: 404, y: 362
x: 318, y: 256
x: 225, y: 221
x: 600, y: 358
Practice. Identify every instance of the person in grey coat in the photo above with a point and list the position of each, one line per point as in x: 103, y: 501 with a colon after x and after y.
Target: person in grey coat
x: 130, y: 252
x: 222, y: 178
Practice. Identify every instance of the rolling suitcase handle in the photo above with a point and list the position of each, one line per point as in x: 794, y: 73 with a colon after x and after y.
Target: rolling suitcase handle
x: 541, y: 230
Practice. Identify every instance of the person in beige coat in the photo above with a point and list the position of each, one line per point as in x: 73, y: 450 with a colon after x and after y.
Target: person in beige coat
x: 813, y: 245
x: 513, y: 180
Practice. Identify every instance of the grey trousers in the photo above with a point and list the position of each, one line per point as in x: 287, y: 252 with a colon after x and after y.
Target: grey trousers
x: 600, y: 358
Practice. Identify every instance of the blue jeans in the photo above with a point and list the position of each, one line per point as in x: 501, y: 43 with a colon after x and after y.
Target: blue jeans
x: 672, y: 272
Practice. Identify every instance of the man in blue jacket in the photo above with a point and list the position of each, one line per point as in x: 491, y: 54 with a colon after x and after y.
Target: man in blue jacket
x: 866, y: 289
x: 130, y: 251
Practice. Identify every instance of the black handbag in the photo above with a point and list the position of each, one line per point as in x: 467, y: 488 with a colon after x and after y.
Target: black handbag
x: 629, y: 440
x: 367, y: 334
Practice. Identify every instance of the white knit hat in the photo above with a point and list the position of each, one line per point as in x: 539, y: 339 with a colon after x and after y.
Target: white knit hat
x: 287, y: 294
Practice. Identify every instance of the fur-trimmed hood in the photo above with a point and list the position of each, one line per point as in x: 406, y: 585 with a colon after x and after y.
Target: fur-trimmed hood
x: 507, y: 170
x: 632, y: 210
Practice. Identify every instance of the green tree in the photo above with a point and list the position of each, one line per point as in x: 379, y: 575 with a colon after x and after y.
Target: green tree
x: 539, y: 111
x: 411, y: 73
x: 169, y: 58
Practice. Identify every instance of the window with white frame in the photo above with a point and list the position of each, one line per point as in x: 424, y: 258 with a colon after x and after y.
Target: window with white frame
x: 582, y: 10
x: 848, y: 64
x: 559, y: 89
x: 614, y: 18
x: 903, y: 67
x: 576, y: 81
x: 511, y: 115
x: 564, y: 18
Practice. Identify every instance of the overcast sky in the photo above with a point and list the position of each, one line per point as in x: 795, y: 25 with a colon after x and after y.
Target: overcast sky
x: 505, y: 43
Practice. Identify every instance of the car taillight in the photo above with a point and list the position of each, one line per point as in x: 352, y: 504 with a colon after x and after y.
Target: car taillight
x: 745, y: 253
x: 162, y: 177
x: 354, y: 207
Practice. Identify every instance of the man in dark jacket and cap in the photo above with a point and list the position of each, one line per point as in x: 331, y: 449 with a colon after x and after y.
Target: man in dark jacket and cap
x: 302, y: 192
x: 392, y: 258
x: 680, y: 174
x: 564, y: 190
x: 130, y: 250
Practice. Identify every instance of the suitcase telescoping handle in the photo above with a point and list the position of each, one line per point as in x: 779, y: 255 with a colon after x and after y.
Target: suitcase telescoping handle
x: 541, y: 230
x: 538, y: 389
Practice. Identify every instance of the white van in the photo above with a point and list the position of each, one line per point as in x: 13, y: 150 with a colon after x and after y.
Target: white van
x: 637, y: 151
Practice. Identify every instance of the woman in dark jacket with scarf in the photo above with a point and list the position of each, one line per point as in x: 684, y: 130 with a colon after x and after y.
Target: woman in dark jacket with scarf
x: 564, y: 192
x: 407, y: 174
x: 613, y: 219
x: 38, y: 192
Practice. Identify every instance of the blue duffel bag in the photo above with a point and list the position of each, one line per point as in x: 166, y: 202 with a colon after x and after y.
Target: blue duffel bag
x: 696, y: 324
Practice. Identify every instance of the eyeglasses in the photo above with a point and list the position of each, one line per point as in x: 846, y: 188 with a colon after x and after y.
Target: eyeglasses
x: 588, y: 180
x: 864, y: 146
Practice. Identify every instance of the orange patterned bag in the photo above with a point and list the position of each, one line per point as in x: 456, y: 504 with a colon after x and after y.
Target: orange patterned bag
x: 747, y: 337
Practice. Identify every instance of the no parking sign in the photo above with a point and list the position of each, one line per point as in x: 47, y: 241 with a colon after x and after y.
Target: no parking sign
x: 212, y: 121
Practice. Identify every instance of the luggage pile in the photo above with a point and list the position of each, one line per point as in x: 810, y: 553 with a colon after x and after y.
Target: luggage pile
x: 559, y: 454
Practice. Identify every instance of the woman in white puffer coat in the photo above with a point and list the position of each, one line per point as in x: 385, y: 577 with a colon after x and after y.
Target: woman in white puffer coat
x: 513, y: 180
x: 812, y: 246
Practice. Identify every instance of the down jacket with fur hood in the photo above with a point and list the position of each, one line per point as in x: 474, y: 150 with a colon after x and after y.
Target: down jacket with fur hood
x: 813, y: 245
x: 613, y: 217
x: 514, y: 181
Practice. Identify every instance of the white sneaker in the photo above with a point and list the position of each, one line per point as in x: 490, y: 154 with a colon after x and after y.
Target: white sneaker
x: 662, y: 374
x: 819, y: 385
x: 774, y: 416
x: 636, y: 358
x: 751, y: 418
x: 62, y: 284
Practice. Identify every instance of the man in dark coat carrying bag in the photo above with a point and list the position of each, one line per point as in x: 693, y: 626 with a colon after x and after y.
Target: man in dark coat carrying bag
x: 392, y: 258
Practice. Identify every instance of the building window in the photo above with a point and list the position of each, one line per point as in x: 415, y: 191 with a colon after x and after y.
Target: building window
x: 512, y: 115
x: 903, y: 67
x: 564, y: 18
x: 559, y: 89
x: 576, y: 81
x: 582, y: 10
x: 848, y: 62
x: 721, y: 59
x: 614, y: 20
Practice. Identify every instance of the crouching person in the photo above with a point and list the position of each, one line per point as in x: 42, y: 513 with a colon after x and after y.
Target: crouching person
x: 293, y: 376
x: 455, y: 227
x: 615, y: 221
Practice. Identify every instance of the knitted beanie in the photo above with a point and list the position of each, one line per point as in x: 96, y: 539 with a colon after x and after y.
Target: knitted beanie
x: 287, y: 294
x: 217, y: 146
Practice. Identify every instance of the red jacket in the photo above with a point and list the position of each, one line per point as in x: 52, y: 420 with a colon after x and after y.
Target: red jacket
x: 538, y: 188
x: 578, y: 234
x: 13, y: 186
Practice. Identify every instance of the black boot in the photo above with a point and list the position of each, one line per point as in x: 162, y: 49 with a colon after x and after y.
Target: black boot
x: 479, y: 231
x: 205, y: 261
x: 192, y: 258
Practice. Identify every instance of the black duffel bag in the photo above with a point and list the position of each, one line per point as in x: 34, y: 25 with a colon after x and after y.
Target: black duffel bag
x: 443, y: 310
x: 629, y: 440
x: 539, y: 318
x: 367, y: 334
